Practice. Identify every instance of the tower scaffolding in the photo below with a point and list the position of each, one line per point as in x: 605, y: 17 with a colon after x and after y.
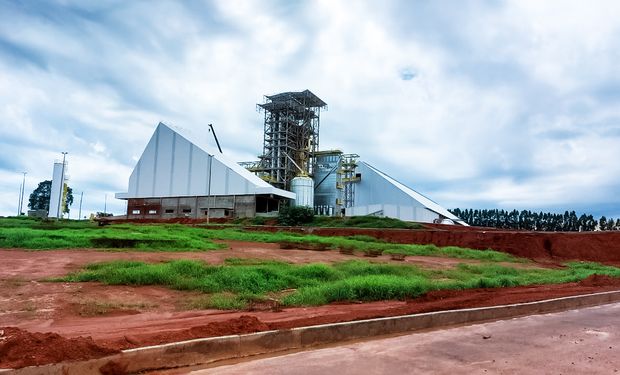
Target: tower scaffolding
x: 349, y: 178
x: 291, y: 136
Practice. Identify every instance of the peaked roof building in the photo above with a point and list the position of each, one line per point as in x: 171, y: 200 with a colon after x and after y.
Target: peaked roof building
x: 173, y: 166
x: 174, y: 175
x: 377, y: 193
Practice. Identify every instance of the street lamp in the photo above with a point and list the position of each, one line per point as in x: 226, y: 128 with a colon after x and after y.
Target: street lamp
x: 209, y: 199
x: 21, y: 199
x: 80, y: 214
x: 62, y: 184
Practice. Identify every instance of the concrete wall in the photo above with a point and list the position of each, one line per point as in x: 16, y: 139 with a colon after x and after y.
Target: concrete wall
x: 192, y: 207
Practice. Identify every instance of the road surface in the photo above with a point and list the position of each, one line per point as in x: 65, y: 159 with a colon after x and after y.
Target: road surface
x: 585, y: 341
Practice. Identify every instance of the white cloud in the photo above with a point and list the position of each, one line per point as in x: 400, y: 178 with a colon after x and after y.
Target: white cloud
x: 567, y: 45
x: 508, y: 104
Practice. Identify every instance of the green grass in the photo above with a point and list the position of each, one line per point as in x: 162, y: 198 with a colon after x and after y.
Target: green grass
x: 341, y: 222
x: 42, y: 234
x: 234, y: 284
x: 31, y: 222
x: 362, y: 222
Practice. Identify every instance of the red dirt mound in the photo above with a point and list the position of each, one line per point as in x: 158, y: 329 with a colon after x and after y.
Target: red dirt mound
x: 237, y: 326
x: 600, y: 280
x: 243, y: 324
x: 20, y: 348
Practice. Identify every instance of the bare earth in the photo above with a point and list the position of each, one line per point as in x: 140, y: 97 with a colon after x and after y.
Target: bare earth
x: 123, y: 317
x: 29, y: 302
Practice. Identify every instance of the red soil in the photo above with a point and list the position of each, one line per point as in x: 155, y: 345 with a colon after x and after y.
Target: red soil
x: 235, y: 326
x: 21, y: 348
x: 600, y: 280
x: 457, y: 299
x: 587, y: 246
x: 154, y: 315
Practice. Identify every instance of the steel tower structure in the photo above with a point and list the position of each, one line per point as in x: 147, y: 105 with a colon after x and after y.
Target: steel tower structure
x: 291, y: 136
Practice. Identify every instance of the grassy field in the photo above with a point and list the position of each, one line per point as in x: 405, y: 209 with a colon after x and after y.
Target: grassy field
x: 240, y: 281
x: 42, y: 234
x: 35, y: 234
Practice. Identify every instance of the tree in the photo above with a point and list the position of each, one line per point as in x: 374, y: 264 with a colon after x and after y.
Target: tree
x: 602, y: 223
x: 295, y: 215
x: 40, y: 197
x: 610, y: 224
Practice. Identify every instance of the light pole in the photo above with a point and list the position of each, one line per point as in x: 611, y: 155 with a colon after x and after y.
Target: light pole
x: 80, y: 212
x: 62, y: 184
x: 19, y: 204
x: 209, y: 200
x: 21, y: 199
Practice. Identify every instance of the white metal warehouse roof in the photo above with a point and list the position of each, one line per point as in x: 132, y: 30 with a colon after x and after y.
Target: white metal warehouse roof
x: 173, y: 166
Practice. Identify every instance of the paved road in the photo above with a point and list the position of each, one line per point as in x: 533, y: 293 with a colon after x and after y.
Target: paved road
x: 585, y: 341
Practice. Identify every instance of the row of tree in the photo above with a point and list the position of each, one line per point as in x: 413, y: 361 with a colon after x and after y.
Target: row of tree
x: 541, y: 221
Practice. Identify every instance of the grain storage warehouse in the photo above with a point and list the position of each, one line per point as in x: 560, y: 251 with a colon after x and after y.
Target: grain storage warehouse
x: 175, y: 177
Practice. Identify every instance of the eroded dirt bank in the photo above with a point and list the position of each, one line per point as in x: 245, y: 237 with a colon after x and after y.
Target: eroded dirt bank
x: 587, y: 246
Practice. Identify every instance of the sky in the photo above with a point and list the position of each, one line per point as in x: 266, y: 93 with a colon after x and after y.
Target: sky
x: 475, y: 104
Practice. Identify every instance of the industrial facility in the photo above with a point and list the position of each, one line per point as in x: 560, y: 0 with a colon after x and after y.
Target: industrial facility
x: 176, y: 177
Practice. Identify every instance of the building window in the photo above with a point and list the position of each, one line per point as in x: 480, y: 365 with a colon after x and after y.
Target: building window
x: 152, y: 212
x: 187, y: 210
x: 169, y: 211
x: 135, y: 212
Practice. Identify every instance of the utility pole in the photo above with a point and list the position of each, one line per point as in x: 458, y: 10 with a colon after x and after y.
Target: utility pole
x: 62, y: 184
x: 80, y: 211
x: 105, y: 205
x: 21, y: 199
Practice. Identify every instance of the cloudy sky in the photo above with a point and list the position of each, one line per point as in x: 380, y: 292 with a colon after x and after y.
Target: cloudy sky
x: 483, y: 104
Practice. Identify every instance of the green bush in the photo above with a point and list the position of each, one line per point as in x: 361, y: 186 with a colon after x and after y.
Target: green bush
x: 293, y: 216
x: 363, y: 222
x: 259, y: 220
